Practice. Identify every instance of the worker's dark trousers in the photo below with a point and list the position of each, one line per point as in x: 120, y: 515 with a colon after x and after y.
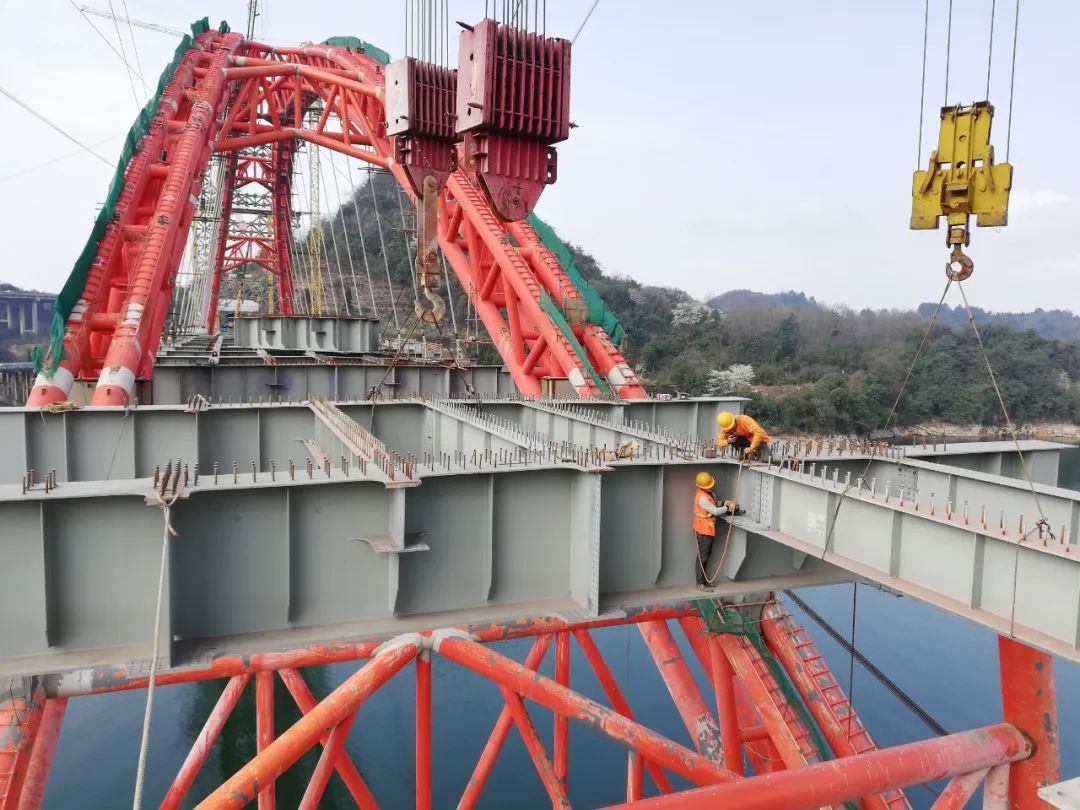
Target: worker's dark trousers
x: 741, y: 443
x: 704, y: 549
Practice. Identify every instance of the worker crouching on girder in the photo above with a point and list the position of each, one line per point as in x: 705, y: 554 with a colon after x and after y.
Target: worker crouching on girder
x: 741, y: 432
x: 706, y: 511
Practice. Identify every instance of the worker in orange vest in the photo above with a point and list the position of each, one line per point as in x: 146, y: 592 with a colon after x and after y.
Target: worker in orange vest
x: 706, y: 510
x: 741, y: 432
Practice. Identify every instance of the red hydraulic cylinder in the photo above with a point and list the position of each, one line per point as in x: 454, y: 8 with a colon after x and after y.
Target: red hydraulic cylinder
x: 203, y: 744
x: 1028, y: 702
x: 243, y: 786
x: 264, y: 730
x: 703, y: 728
x: 546, y: 692
x: 840, y: 780
x: 423, y: 731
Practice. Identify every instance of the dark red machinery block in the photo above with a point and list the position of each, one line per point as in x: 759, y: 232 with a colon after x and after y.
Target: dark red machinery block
x: 513, y: 103
x: 420, y: 101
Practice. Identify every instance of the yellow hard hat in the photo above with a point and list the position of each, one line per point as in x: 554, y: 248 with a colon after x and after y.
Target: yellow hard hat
x: 704, y: 480
x: 726, y: 420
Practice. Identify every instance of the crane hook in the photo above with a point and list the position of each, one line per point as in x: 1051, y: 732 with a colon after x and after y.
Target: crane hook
x: 959, y: 267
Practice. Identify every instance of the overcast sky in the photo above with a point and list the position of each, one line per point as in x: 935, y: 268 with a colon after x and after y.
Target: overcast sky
x: 720, y: 144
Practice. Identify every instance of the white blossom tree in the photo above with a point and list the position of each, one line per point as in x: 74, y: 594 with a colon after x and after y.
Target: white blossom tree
x: 734, y: 379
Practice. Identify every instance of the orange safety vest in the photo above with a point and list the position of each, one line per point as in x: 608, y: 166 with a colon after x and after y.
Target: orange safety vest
x: 704, y: 523
x: 747, y: 428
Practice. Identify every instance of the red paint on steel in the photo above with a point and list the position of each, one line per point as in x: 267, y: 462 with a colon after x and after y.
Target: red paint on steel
x: 264, y: 730
x: 635, y: 776
x: 423, y: 731
x: 961, y: 788
x: 243, y: 786
x: 723, y: 680
x: 204, y: 743
x: 20, y: 719
x: 785, y: 729
x: 333, y: 750
x: 822, y: 694
x: 498, y: 735
x: 1029, y: 702
x: 618, y: 702
x: 305, y: 701
x: 104, y: 679
x: 525, y: 682
x: 42, y: 753
x: 751, y: 728
x: 561, y: 747
x: 702, y: 726
x: 996, y: 791
x: 544, y: 769
x: 840, y: 780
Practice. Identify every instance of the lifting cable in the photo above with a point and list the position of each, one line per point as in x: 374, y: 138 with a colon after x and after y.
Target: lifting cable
x: 144, y: 745
x: 382, y: 245
x: 105, y: 39
x: 355, y: 196
x: 54, y: 127
x: 345, y: 235
x: 123, y: 56
x: 324, y: 194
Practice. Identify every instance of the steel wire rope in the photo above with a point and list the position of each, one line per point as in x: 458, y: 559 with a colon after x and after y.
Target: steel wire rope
x: 345, y: 233
x: 990, y: 48
x: 323, y: 192
x: 355, y: 197
x: 302, y: 254
x: 123, y: 52
x: 869, y: 665
x: 382, y: 246
x: 53, y: 126
x: 1016, y: 443
x: 948, y: 53
x: 45, y: 164
x: 1012, y: 81
x: 144, y: 744
x: 299, y: 276
x: 449, y: 293
x: 405, y: 239
x: 892, y: 412
x: 922, y: 86
x: 581, y: 27
x: 105, y: 39
x: 851, y: 657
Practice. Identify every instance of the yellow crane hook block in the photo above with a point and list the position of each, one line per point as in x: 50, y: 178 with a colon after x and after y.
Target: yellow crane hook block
x: 962, y: 178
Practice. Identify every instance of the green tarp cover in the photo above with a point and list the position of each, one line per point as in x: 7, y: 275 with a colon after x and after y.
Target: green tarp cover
x: 47, y: 358
x: 549, y: 306
x: 357, y: 44
x: 598, y: 313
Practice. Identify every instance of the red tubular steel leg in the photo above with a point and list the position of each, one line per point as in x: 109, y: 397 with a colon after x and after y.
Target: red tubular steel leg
x: 423, y: 731
x: 956, y: 794
x: 498, y: 735
x: 779, y: 732
x: 635, y: 776
x: 243, y: 786
x: 264, y: 729
x: 200, y: 749
x: 320, y: 777
x: 536, y: 749
x: 41, y: 757
x: 703, y: 728
x: 346, y: 769
x: 840, y: 780
x: 618, y: 702
x: 546, y: 692
x: 1029, y: 703
x: 20, y: 719
x: 723, y: 678
x: 996, y: 788
x: 749, y: 723
x: 562, y: 728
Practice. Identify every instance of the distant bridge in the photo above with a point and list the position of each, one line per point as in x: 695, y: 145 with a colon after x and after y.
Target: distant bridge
x: 24, y: 313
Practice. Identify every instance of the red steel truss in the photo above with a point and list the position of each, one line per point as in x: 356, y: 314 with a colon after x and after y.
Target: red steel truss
x: 232, y: 95
x: 870, y: 777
